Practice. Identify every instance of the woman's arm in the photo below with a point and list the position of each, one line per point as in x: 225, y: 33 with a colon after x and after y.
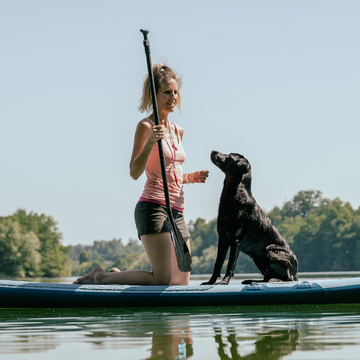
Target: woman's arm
x: 195, y: 177
x: 145, y: 138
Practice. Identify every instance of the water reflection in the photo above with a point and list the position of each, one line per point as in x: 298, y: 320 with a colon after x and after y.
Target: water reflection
x: 171, y: 346
x: 170, y: 335
x: 32, y: 344
x: 272, y: 345
x: 224, y: 333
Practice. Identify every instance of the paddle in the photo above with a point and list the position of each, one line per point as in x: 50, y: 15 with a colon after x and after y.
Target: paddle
x: 183, y: 256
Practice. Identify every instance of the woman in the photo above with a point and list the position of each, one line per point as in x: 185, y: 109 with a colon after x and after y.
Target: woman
x: 150, y: 212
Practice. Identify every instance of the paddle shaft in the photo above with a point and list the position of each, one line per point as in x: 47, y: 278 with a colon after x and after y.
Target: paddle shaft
x: 156, y: 119
x: 181, y: 248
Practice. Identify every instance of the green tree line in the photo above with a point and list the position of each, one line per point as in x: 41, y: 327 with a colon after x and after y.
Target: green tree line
x: 324, y: 234
x: 108, y: 254
x: 30, y: 246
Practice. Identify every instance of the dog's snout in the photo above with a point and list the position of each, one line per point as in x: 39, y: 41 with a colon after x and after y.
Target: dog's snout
x: 214, y: 155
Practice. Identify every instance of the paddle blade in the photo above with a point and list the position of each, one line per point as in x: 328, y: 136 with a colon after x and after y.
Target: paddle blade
x: 182, y: 252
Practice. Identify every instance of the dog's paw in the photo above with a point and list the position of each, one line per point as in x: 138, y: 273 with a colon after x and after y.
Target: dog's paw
x: 205, y: 283
x: 224, y: 281
x: 249, y: 282
x: 211, y: 281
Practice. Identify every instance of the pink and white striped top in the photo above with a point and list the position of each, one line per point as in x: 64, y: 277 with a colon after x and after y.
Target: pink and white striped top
x: 174, y: 156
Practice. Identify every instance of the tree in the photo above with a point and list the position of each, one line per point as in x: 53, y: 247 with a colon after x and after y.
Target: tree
x: 108, y: 254
x: 99, y: 261
x: 324, y: 234
x: 84, y: 256
x: 303, y: 203
x: 203, y: 235
x: 54, y: 259
x: 19, y: 253
x: 124, y: 262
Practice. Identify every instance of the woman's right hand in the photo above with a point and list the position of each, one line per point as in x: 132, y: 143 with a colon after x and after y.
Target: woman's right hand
x: 158, y: 133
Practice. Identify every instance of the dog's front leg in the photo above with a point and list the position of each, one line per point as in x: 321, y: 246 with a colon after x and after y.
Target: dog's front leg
x: 230, y: 270
x: 223, y: 247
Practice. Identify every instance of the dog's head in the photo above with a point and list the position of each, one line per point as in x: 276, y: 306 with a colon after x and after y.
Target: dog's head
x: 234, y: 166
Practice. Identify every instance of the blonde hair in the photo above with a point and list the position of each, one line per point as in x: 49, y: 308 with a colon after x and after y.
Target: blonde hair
x: 161, y: 73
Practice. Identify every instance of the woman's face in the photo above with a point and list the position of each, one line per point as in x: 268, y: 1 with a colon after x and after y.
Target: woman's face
x: 167, y: 96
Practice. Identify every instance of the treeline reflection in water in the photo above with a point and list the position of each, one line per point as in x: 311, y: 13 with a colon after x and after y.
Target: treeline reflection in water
x: 252, y: 332
x: 213, y: 333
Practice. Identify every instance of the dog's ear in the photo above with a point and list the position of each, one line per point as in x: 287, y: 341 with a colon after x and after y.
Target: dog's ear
x: 242, y: 162
x: 236, y: 169
x: 238, y: 158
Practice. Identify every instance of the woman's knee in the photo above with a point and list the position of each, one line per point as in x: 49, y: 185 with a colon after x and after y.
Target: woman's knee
x: 180, y: 278
x: 162, y: 278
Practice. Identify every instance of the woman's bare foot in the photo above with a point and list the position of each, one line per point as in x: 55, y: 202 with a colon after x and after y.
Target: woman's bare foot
x: 114, y: 269
x: 92, y: 277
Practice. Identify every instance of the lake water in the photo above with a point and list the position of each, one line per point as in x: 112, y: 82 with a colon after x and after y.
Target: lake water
x: 251, y: 332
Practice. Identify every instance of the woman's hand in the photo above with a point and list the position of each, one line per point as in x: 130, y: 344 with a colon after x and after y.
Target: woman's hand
x: 197, y: 176
x: 158, y: 133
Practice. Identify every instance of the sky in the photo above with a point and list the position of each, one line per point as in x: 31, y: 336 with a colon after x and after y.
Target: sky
x: 276, y: 81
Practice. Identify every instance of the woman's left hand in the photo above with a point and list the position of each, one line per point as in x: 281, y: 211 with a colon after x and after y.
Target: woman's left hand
x: 198, y: 176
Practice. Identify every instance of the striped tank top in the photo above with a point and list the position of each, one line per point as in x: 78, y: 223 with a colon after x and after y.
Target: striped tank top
x: 174, y: 156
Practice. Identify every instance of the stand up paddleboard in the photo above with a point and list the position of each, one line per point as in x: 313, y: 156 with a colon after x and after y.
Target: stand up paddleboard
x: 21, y: 294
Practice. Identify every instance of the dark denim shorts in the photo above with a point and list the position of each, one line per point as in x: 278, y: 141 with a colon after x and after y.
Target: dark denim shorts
x: 151, y: 218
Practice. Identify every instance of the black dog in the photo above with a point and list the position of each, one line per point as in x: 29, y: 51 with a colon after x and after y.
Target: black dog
x: 243, y: 226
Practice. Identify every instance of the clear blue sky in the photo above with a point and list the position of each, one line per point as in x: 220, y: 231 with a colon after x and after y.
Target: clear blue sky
x: 277, y: 81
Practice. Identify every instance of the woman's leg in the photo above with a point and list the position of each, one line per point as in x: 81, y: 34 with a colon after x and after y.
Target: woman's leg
x: 158, y: 248
x: 179, y: 277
